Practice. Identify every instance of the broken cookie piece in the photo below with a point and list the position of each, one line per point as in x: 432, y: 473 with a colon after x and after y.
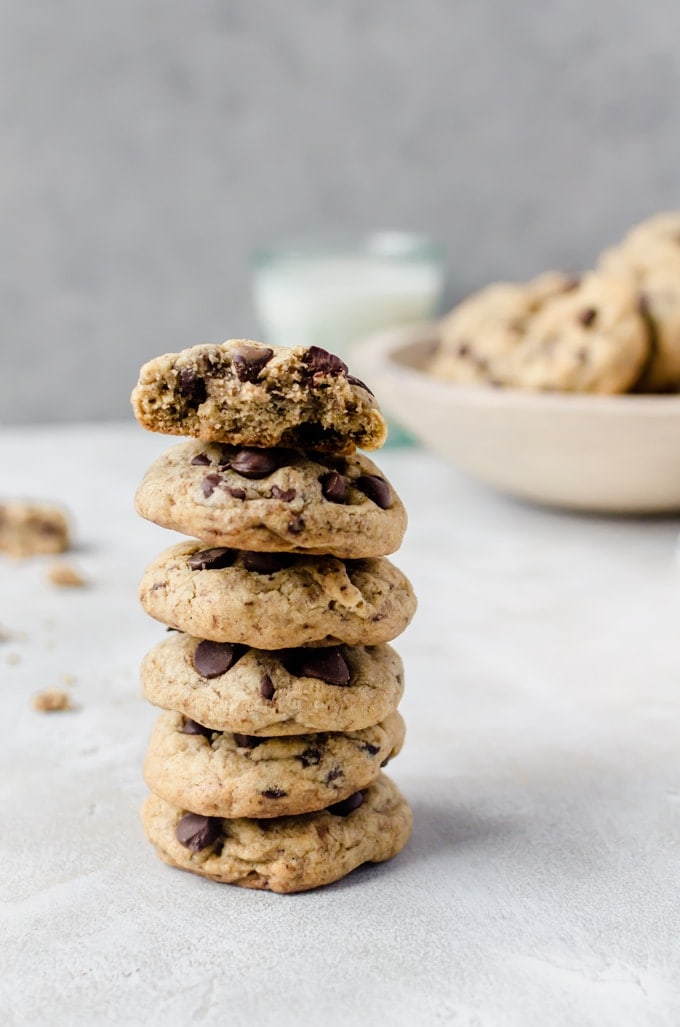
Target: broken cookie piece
x: 65, y: 575
x: 248, y: 394
x: 52, y: 700
x: 31, y: 528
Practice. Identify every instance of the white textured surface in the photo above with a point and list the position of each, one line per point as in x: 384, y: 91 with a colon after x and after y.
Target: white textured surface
x: 543, y: 705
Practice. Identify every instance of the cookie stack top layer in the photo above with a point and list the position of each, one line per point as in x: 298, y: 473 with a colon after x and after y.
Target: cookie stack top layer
x: 248, y: 394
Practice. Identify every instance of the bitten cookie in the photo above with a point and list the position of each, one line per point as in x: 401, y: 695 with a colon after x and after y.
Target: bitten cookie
x: 273, y: 500
x: 285, y: 854
x: 221, y: 774
x: 287, y: 692
x: 244, y: 393
x: 480, y: 336
x: 272, y: 600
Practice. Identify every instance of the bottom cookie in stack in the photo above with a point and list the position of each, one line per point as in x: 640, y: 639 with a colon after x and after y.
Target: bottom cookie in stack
x: 265, y: 767
x: 283, y: 854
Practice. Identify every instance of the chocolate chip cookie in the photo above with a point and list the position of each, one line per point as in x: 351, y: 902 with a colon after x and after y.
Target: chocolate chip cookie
x: 273, y: 600
x: 274, y: 500
x: 284, y: 854
x: 221, y: 774
x: 285, y: 692
x: 248, y: 394
x: 480, y: 336
x: 593, y: 337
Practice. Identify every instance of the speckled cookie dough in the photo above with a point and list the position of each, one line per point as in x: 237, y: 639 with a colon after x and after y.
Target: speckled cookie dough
x: 274, y: 600
x: 221, y: 774
x: 285, y: 854
x: 245, y: 393
x: 274, y: 500
x: 288, y: 692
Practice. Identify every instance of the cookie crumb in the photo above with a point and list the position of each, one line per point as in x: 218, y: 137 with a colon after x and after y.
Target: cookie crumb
x: 51, y: 700
x: 65, y: 575
x: 68, y: 679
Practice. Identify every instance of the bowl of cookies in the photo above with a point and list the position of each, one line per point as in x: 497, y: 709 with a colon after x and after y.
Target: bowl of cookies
x: 562, y: 390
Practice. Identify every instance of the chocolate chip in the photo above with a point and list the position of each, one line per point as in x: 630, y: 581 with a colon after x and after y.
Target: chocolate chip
x: 266, y: 563
x: 196, y: 832
x: 274, y: 793
x: 334, y: 487
x: 373, y: 750
x: 201, y: 460
x: 310, y: 757
x: 376, y: 489
x: 234, y: 493
x: 212, y: 659
x: 191, y: 387
x: 348, y: 805
x: 212, y: 559
x: 267, y: 687
x: 285, y: 495
x: 296, y: 526
x: 192, y: 727
x: 321, y: 362
x: 255, y: 463
x: 587, y: 316
x: 353, y: 380
x: 248, y: 361
x: 209, y: 484
x: 327, y: 664
x: 333, y: 774
x: 247, y: 741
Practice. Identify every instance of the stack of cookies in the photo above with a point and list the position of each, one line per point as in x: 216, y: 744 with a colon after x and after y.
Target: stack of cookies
x: 279, y: 689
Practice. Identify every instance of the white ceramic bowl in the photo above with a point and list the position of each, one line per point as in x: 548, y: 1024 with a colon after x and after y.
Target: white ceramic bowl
x: 606, y: 454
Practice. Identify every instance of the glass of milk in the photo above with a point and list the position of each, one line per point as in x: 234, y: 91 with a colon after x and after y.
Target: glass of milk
x: 333, y: 293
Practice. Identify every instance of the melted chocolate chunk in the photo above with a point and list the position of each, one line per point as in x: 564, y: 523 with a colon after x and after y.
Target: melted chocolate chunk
x: 353, y: 380
x: 255, y: 463
x: 209, y: 484
x: 372, y: 750
x: 196, y: 832
x: 321, y: 362
x: 234, y: 493
x: 267, y: 687
x: 327, y: 664
x: 587, y: 316
x: 212, y: 659
x: 212, y: 559
x: 274, y: 793
x: 310, y: 757
x: 266, y: 563
x: 201, y: 460
x: 376, y: 489
x: 296, y: 526
x: 247, y: 741
x: 334, y: 487
x: 248, y: 361
x: 192, y: 727
x: 348, y: 805
x: 191, y: 387
x: 285, y: 495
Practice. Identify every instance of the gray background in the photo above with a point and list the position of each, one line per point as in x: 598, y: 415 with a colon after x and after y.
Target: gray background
x: 148, y: 145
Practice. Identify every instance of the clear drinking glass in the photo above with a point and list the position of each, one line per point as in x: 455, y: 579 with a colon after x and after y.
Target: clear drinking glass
x: 333, y: 292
